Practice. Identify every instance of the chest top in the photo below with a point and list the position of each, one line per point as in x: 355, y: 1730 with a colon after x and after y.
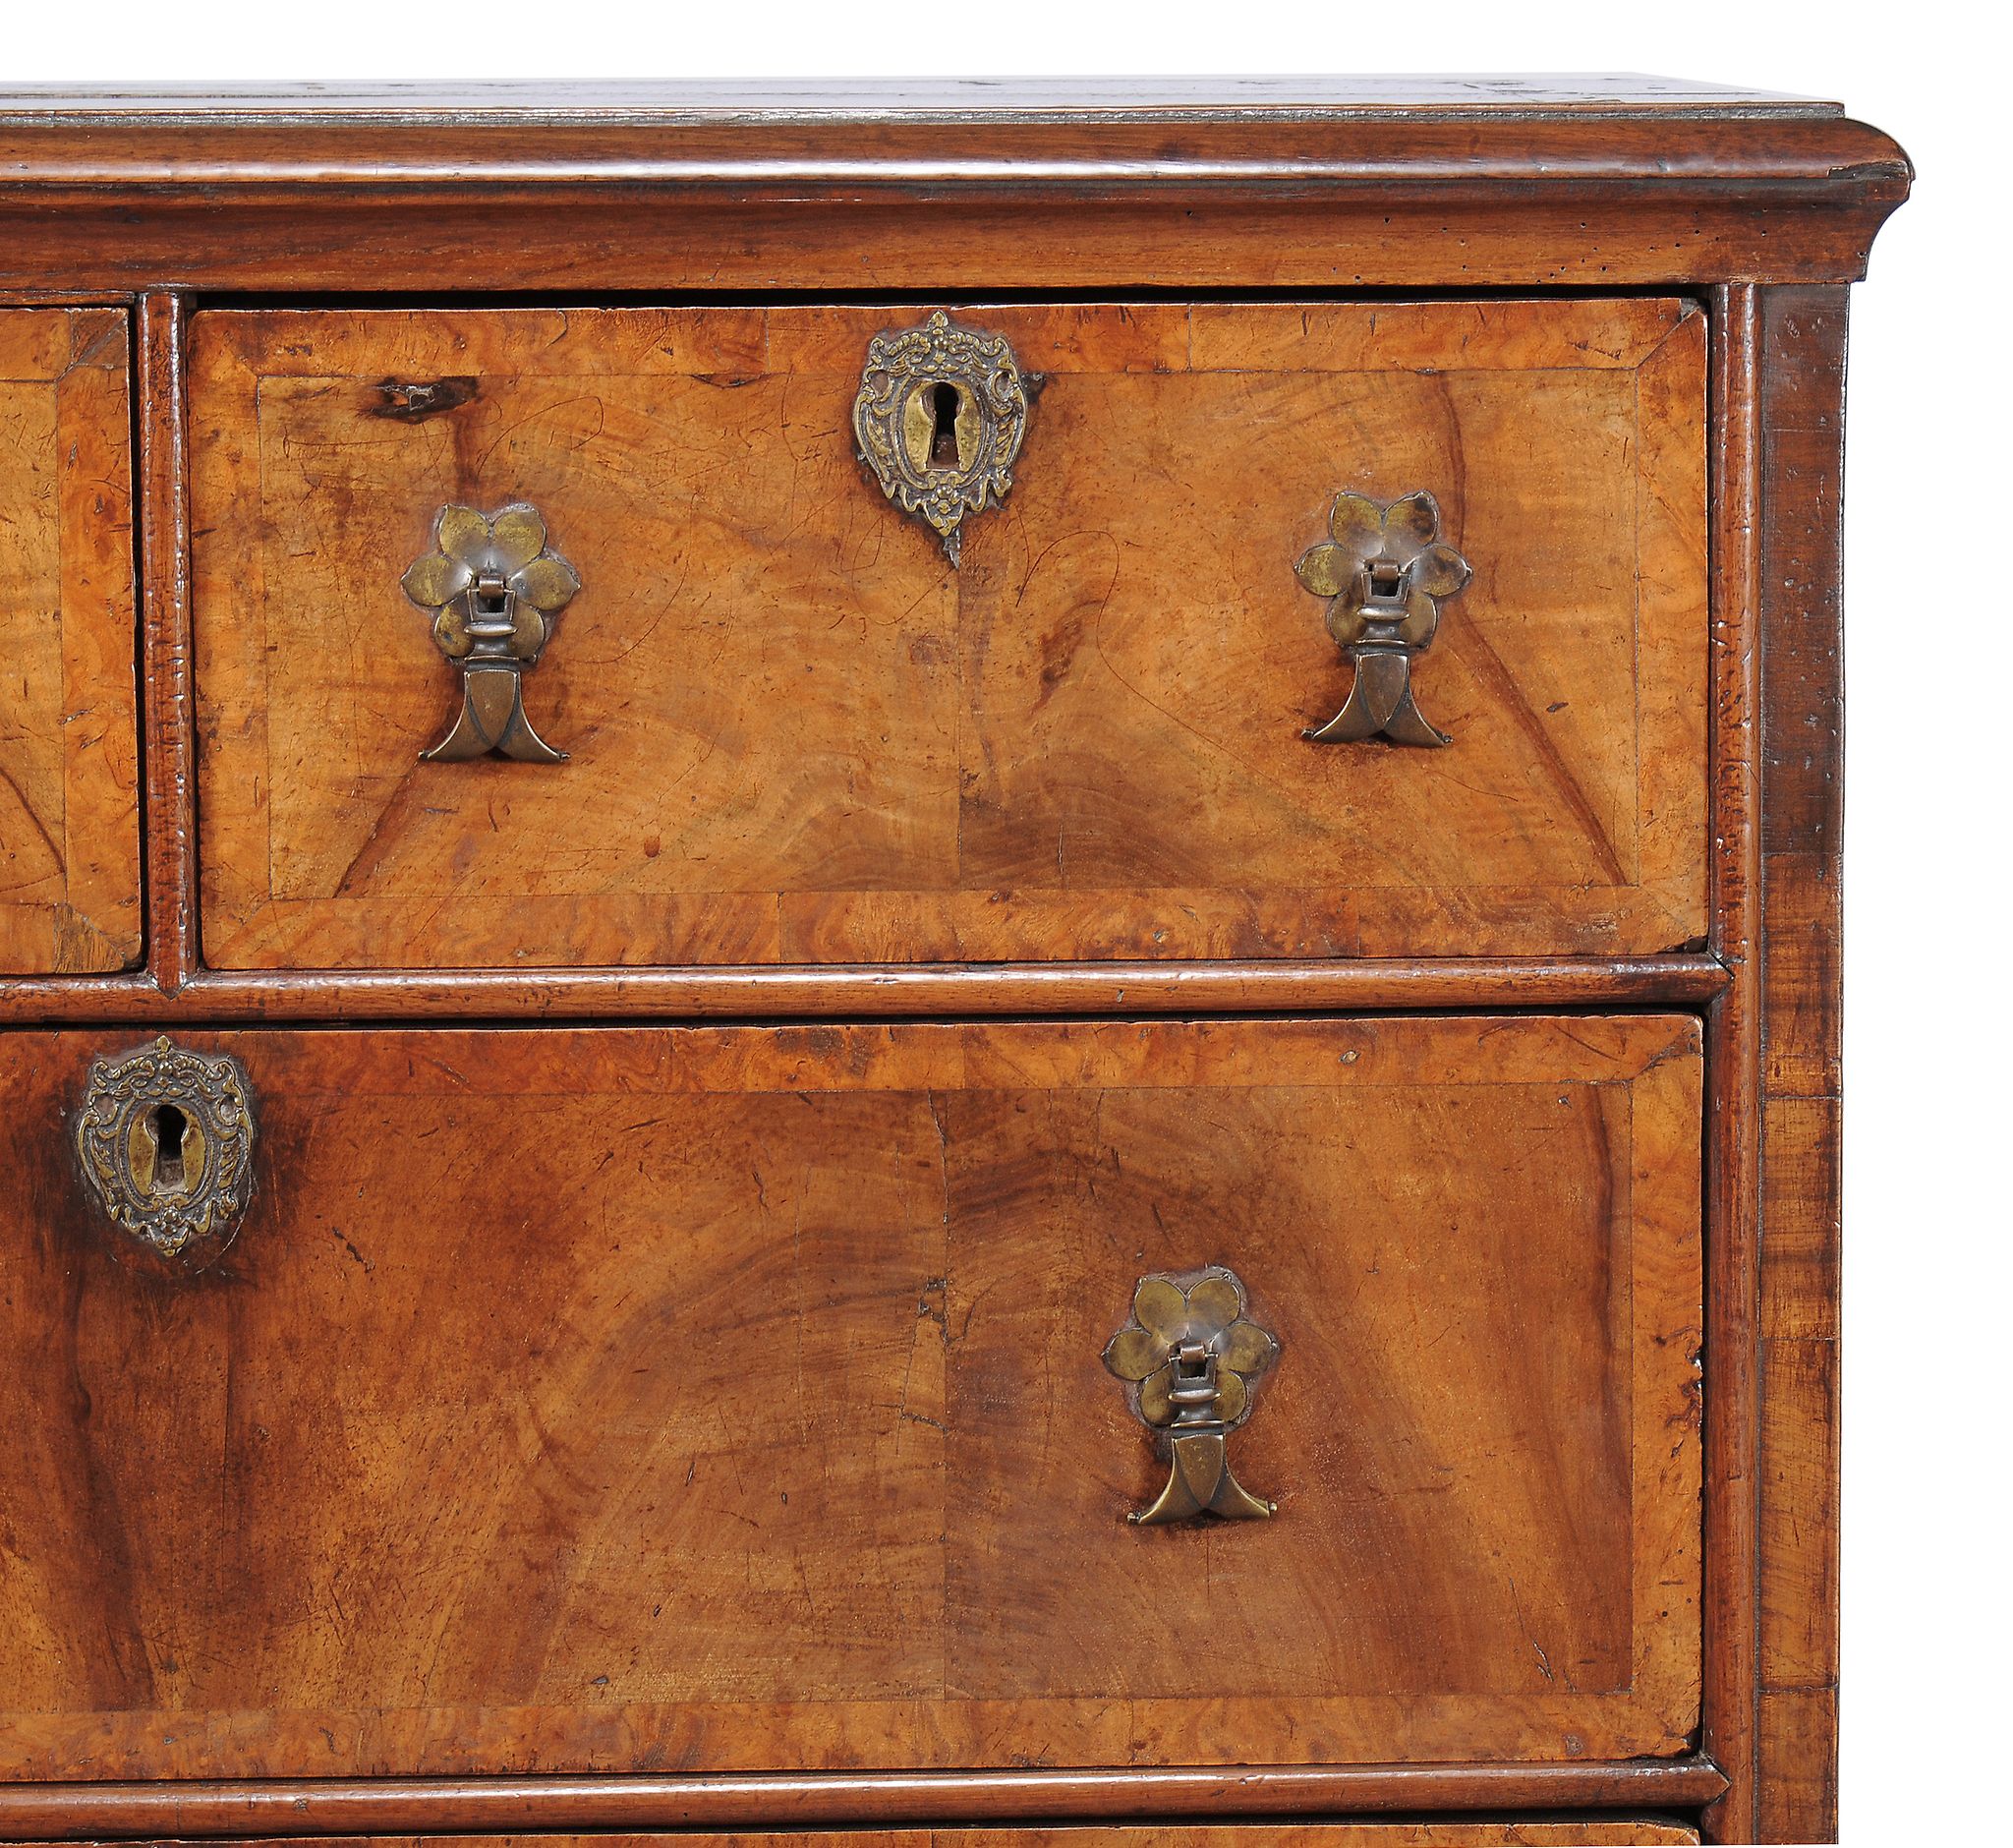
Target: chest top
x: 1205, y: 183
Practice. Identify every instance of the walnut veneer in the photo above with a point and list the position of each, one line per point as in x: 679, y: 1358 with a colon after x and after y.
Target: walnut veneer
x: 632, y: 1355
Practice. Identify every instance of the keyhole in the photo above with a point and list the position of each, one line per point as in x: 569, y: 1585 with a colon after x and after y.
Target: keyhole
x: 169, y: 1125
x: 167, y: 1151
x: 943, y: 403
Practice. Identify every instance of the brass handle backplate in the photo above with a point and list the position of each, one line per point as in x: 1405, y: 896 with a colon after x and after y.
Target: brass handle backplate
x: 1191, y: 1354
x: 492, y: 588
x: 1385, y: 573
x: 165, y: 1137
x: 938, y: 419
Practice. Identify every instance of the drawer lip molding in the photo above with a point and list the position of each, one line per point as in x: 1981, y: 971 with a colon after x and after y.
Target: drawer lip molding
x: 881, y: 992
x: 335, y: 1805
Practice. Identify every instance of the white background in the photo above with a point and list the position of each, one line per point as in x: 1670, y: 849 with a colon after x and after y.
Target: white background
x: 1930, y: 607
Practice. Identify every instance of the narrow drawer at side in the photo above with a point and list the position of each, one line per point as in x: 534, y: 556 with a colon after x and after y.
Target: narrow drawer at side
x: 738, y: 1398
x: 68, y: 802
x: 796, y: 734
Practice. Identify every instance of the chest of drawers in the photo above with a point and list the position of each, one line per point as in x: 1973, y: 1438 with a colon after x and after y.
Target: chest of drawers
x: 947, y: 965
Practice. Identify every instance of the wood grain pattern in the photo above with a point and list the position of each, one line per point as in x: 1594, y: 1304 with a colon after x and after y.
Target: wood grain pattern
x: 1772, y: 1531
x: 1733, y: 1061
x: 148, y: 1611
x: 1284, y: 986
x: 387, y: 1806
x: 1613, y: 1832
x: 799, y: 736
x: 808, y: 1458
x: 69, y: 805
x: 1802, y: 765
x: 1282, y: 230
x: 1797, y: 1787
x: 166, y: 661
x: 886, y: 196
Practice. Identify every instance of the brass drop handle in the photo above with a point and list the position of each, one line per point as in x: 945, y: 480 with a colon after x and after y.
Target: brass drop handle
x: 164, y: 1136
x: 1385, y: 573
x: 1192, y: 1353
x: 492, y: 588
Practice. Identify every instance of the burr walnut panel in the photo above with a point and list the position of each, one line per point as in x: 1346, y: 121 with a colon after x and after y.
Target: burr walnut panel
x: 69, y: 805
x: 732, y: 1399
x: 798, y: 735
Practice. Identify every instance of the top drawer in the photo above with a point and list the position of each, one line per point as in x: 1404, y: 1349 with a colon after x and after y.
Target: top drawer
x: 69, y: 798
x: 797, y: 734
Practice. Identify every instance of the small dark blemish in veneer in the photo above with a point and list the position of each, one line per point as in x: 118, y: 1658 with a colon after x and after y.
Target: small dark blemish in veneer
x: 411, y: 400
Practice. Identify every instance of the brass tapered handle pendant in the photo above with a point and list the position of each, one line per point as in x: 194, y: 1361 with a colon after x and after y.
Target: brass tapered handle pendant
x: 493, y: 588
x: 1191, y: 1354
x: 1200, y: 1482
x: 1385, y: 573
x: 491, y: 718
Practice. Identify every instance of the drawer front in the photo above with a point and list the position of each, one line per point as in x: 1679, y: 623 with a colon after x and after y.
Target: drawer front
x: 738, y: 1398
x: 797, y: 734
x: 69, y: 803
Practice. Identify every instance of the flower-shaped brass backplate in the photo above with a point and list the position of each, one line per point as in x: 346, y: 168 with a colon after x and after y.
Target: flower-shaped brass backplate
x: 1385, y: 573
x: 1192, y: 1353
x: 492, y: 587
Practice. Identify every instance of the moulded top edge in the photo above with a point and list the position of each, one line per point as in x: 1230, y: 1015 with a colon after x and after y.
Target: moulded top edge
x: 917, y: 99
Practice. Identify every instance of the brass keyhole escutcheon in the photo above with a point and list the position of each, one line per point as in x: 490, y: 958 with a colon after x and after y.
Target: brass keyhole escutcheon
x: 164, y: 1136
x: 938, y: 419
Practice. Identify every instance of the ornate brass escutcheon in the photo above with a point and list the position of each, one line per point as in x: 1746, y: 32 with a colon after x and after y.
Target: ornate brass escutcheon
x: 1192, y: 1353
x: 492, y: 587
x: 938, y: 419
x: 165, y: 1138
x: 1385, y: 573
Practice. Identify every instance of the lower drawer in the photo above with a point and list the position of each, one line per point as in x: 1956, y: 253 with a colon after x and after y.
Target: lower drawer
x: 740, y: 1399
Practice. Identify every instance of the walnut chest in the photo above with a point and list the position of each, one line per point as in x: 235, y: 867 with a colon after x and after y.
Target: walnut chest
x: 951, y: 964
